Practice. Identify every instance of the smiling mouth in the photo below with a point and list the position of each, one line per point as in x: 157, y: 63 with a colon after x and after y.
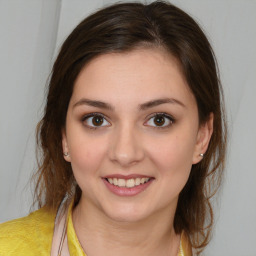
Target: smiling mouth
x: 127, y: 183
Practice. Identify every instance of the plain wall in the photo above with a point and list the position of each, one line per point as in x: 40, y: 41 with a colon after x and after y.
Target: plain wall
x: 28, y: 31
x: 31, y: 33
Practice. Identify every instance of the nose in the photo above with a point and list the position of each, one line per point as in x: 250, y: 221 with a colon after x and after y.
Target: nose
x: 126, y: 147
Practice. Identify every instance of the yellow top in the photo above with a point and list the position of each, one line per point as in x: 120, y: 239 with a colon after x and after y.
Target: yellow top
x: 32, y: 235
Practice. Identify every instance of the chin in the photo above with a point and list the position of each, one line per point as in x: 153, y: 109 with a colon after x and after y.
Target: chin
x: 126, y: 213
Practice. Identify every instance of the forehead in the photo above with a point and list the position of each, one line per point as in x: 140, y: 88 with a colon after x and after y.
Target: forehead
x: 135, y: 75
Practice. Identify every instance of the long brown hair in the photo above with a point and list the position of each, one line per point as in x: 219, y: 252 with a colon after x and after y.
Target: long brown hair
x: 122, y: 28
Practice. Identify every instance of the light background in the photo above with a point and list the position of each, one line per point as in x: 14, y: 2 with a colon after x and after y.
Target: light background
x: 31, y: 32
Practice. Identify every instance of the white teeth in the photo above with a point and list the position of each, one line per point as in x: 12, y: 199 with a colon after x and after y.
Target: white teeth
x: 130, y: 183
x: 115, y: 181
x: 121, y: 182
x: 137, y: 181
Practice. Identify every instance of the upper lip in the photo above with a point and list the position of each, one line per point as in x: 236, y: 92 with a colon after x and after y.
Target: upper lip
x: 126, y: 177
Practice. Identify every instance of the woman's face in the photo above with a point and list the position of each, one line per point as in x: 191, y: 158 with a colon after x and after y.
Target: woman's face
x: 132, y: 133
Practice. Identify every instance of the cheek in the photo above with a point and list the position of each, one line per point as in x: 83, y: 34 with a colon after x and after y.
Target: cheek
x: 87, y: 154
x: 175, y: 150
x: 173, y: 160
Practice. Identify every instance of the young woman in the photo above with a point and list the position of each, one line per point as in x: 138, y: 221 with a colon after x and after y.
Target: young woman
x: 133, y: 140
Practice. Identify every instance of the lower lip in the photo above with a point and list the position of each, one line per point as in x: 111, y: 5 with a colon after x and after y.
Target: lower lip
x: 124, y: 191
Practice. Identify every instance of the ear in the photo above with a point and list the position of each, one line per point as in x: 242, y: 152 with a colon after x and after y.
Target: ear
x: 203, y: 138
x: 65, y: 146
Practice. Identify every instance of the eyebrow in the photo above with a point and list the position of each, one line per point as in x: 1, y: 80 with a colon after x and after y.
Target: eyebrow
x: 156, y: 102
x: 94, y: 103
x: 144, y: 106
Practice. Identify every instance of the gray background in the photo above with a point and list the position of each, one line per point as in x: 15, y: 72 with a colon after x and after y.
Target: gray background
x: 31, y: 32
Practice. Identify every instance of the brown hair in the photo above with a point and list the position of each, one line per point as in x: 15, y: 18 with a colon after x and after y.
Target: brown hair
x: 121, y: 28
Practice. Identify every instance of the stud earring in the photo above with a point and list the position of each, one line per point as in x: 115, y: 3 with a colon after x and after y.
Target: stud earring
x: 66, y: 154
x: 202, y: 155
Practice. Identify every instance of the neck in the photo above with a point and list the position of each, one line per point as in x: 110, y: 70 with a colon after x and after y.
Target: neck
x: 100, y: 235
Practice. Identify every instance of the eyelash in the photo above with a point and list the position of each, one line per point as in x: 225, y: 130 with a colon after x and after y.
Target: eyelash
x: 92, y: 115
x: 171, y: 119
x: 164, y: 115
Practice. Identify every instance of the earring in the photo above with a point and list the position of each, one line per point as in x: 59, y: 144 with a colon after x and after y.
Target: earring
x: 66, y: 154
x: 202, y: 155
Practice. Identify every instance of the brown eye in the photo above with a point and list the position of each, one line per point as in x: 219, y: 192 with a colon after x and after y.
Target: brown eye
x: 160, y: 120
x: 95, y: 121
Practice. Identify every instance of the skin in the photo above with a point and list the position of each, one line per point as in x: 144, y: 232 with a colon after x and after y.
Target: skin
x: 130, y: 142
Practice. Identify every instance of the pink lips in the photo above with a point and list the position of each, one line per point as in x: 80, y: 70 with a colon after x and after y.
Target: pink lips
x: 124, y: 191
x: 126, y: 177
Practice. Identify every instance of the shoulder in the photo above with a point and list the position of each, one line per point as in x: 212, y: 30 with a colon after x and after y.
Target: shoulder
x: 29, y: 235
